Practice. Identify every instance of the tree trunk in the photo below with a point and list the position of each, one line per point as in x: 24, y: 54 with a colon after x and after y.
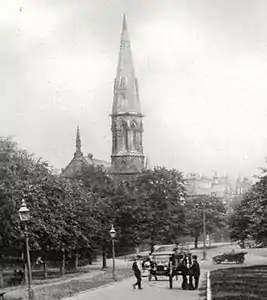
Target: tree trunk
x: 196, y: 240
x: 44, y: 269
x: 90, y: 259
x: 76, y: 265
x: 104, y: 258
x: 63, y: 262
x: 1, y: 272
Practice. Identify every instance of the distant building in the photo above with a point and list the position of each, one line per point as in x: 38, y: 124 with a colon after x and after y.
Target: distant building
x: 243, y: 185
x: 219, y: 186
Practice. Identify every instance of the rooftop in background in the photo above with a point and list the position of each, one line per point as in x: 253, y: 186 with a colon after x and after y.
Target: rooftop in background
x: 220, y: 186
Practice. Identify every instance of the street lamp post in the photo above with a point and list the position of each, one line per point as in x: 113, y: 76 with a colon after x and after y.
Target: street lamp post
x: 203, y: 208
x: 24, y: 215
x: 112, y: 233
x: 204, y: 234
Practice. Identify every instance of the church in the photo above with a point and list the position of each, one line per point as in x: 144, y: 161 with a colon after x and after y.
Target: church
x: 127, y: 156
x: 127, y: 130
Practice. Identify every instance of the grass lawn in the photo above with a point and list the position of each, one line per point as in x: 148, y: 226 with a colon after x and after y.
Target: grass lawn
x: 239, y: 283
x: 73, y: 286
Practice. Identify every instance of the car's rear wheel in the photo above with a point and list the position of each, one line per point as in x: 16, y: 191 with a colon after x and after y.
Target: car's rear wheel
x: 241, y: 260
x: 216, y: 262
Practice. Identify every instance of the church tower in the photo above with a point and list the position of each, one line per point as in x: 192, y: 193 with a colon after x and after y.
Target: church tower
x: 127, y: 119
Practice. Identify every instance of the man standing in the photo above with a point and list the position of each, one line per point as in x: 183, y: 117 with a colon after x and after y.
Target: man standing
x: 137, y: 274
x: 195, y: 271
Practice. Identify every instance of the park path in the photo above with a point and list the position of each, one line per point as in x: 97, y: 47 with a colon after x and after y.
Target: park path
x: 159, y: 290
x: 156, y: 290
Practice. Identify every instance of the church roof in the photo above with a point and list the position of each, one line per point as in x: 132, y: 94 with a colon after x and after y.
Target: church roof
x: 93, y: 161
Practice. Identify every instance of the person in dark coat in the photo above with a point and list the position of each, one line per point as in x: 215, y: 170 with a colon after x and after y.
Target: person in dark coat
x: 195, y: 271
x: 137, y: 274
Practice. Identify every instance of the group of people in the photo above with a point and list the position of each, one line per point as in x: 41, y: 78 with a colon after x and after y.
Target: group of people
x: 191, y: 265
x: 193, y: 273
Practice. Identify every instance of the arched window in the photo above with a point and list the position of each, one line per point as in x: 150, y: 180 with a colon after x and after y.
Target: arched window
x: 125, y: 135
x: 123, y: 82
x: 134, y: 134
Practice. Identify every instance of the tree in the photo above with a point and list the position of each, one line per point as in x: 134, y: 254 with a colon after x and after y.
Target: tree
x: 151, y: 206
x: 249, y: 218
x: 101, y: 188
x: 55, y: 203
x: 215, y: 215
x: 144, y: 206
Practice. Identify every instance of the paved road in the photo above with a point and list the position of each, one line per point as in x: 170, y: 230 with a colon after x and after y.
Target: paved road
x: 151, y: 290
x: 158, y: 290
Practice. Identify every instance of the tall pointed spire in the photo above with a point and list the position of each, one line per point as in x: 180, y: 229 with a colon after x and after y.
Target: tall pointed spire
x: 78, y: 151
x: 127, y: 119
x: 124, y: 34
x: 126, y: 98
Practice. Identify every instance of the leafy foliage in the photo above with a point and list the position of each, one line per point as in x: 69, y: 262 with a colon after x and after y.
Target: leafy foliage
x: 53, y: 200
x: 77, y: 213
x: 249, y: 218
x: 215, y: 215
x: 143, y: 208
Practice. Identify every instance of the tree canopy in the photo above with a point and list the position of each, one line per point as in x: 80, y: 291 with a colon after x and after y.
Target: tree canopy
x: 249, y: 218
x: 215, y: 215
x: 54, y: 202
x: 77, y: 213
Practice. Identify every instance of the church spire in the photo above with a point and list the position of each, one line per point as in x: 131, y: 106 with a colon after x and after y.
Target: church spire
x: 127, y: 120
x: 78, y: 151
x: 126, y: 97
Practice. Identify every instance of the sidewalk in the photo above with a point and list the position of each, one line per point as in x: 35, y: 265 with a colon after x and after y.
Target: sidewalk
x: 152, y: 290
x: 156, y: 290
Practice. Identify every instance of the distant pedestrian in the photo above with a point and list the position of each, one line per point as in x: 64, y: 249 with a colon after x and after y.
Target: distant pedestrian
x: 137, y: 273
x: 195, y: 271
x: 39, y: 260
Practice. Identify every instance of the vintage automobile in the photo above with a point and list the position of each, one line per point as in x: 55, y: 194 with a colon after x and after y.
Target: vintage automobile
x: 160, y: 265
x: 173, y: 264
x: 237, y: 257
x: 247, y: 243
x: 164, y: 248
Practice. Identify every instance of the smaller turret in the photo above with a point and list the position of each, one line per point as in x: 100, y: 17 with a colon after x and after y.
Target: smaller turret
x: 78, y: 151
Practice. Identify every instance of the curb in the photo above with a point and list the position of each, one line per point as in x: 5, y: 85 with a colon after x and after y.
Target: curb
x: 202, y: 290
x: 209, y: 295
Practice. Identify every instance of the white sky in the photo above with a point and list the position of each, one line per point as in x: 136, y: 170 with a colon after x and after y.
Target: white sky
x: 201, y: 66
